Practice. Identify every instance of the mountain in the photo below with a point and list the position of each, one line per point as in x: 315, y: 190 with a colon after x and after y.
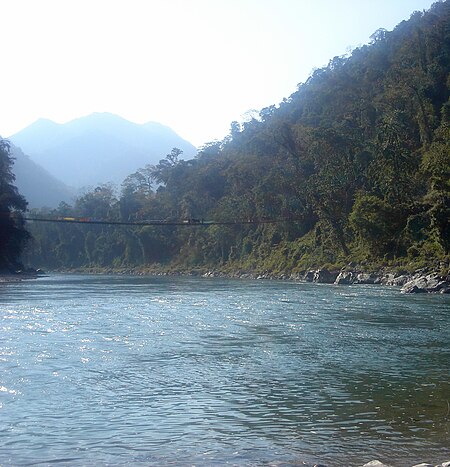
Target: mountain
x: 98, y: 148
x: 350, y: 174
x: 38, y: 186
x: 352, y: 169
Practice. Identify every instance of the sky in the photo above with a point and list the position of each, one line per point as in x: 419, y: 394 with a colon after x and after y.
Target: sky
x: 193, y: 65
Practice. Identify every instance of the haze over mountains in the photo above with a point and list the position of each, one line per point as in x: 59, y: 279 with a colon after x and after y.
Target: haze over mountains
x: 39, y: 187
x: 96, y: 149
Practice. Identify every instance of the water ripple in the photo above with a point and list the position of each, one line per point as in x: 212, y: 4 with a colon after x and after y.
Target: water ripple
x: 169, y: 371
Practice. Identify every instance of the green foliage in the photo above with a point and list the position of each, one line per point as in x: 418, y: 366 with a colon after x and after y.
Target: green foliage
x: 354, y: 166
x: 436, y: 163
x: 13, y: 235
x: 376, y: 224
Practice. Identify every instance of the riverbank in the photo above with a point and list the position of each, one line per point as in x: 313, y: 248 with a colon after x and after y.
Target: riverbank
x: 377, y: 463
x: 423, y: 280
x: 18, y: 276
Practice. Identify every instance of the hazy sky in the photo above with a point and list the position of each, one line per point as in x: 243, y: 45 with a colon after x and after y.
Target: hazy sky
x: 194, y: 65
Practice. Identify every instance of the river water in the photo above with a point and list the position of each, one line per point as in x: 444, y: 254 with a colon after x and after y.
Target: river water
x: 114, y: 370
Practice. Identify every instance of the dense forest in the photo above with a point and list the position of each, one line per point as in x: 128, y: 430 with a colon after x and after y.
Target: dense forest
x: 353, y: 167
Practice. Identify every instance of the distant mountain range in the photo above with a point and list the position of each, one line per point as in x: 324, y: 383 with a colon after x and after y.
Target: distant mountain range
x: 95, y: 149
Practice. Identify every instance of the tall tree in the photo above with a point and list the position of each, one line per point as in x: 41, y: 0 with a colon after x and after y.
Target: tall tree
x: 13, y: 235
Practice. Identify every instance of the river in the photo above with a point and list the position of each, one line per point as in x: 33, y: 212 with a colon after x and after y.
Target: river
x: 114, y: 370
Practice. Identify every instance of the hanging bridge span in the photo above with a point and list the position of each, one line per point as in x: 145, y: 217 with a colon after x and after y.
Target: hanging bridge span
x: 182, y: 222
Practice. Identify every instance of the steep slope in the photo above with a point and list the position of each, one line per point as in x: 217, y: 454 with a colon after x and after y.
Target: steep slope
x: 98, y: 148
x: 36, y: 184
x: 353, y: 168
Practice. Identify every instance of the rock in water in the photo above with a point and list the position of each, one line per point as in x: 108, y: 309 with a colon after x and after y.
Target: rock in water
x: 323, y: 276
x: 431, y: 283
x: 345, y: 278
x: 375, y: 463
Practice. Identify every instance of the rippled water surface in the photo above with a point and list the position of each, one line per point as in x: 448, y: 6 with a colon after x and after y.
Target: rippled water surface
x: 111, y: 370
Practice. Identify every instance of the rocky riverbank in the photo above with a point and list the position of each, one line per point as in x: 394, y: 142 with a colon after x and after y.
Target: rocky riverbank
x: 421, y: 281
x: 18, y: 276
x: 377, y: 463
x: 425, y: 280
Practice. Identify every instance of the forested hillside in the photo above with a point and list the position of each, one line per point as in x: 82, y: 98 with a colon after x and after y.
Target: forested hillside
x: 355, y: 166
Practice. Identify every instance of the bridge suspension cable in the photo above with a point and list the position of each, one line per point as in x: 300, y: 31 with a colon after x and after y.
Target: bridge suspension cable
x: 183, y: 222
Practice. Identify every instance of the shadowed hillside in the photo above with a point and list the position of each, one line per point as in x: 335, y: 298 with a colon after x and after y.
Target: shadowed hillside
x: 36, y: 184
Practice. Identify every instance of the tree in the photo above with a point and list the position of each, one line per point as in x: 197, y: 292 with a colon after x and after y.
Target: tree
x: 164, y: 168
x: 356, y: 161
x: 141, y: 181
x: 137, y: 190
x: 99, y: 203
x: 375, y: 224
x: 436, y: 163
x: 13, y: 235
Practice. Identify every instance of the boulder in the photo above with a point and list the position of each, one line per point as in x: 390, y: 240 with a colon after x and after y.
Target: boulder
x: 431, y: 283
x: 398, y: 280
x: 387, y: 279
x: 296, y: 277
x: 375, y: 463
x: 309, y: 276
x: 367, y: 278
x: 345, y: 278
x: 323, y: 276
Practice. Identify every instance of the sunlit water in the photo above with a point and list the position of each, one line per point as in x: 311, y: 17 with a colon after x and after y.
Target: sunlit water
x: 111, y: 370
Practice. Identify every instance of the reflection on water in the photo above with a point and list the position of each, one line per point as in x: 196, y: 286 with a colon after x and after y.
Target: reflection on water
x: 169, y: 371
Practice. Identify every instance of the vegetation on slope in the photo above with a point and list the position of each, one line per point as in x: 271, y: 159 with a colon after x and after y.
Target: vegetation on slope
x: 356, y: 162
